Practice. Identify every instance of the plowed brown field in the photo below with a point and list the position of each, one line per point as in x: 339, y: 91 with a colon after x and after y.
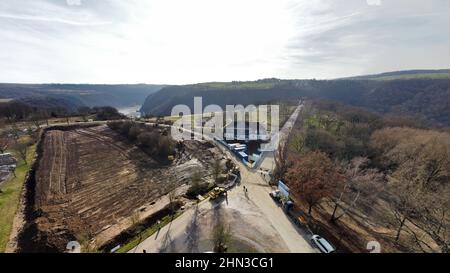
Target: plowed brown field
x: 90, y: 179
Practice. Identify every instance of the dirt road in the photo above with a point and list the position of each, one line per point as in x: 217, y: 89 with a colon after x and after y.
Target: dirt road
x: 270, y: 223
x: 192, y: 231
x: 255, y: 219
x: 297, y: 240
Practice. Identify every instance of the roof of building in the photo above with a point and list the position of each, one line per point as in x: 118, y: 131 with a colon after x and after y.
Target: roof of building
x: 7, y: 159
x: 243, y: 154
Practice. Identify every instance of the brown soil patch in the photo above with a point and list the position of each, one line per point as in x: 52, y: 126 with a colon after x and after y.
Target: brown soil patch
x: 90, y: 179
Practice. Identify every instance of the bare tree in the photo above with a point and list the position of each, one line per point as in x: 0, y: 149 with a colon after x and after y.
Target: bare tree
x: 418, y: 185
x: 403, y: 199
x: 37, y: 117
x: 172, y: 200
x: 431, y: 217
x: 4, y: 143
x: 135, y: 221
x: 84, y: 237
x: 357, y: 182
x: 15, y: 132
x: 22, y: 149
x: 84, y: 112
x: 298, y: 142
x: 281, y: 164
x: 221, y: 237
x: 171, y: 190
x: 312, y: 177
x: 217, y: 169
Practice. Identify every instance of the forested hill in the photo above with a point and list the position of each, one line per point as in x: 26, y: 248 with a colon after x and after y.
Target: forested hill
x: 429, y: 98
x: 72, y: 96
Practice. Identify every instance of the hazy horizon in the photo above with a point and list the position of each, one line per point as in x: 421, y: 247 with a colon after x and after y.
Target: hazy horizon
x: 191, y: 83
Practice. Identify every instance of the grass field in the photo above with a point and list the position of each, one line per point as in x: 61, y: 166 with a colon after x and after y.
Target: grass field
x: 233, y: 85
x: 285, y: 111
x: 9, y: 198
x: 415, y: 76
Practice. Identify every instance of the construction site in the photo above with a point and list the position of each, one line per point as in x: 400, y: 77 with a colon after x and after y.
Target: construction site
x: 89, y: 181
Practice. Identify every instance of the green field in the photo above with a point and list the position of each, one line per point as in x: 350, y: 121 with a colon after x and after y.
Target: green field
x: 414, y: 76
x: 10, y: 196
x: 239, y: 85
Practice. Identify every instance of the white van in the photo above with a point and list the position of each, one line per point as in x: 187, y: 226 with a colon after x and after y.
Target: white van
x: 323, y: 245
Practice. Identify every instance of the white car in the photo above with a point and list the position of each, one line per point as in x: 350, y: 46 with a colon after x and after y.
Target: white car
x: 323, y: 245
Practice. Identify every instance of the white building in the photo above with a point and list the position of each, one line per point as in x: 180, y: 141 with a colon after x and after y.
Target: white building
x: 246, y: 132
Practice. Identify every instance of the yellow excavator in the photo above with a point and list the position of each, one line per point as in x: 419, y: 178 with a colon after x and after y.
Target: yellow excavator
x: 217, y: 192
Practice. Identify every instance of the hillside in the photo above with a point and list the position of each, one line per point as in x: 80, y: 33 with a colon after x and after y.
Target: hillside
x: 72, y: 96
x: 407, y: 74
x: 428, y: 98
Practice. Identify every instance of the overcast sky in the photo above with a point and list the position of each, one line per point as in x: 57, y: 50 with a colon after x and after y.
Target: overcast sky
x: 189, y: 41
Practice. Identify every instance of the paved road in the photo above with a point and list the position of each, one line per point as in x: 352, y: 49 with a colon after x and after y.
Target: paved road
x: 295, y: 239
x: 173, y: 237
x: 267, y: 161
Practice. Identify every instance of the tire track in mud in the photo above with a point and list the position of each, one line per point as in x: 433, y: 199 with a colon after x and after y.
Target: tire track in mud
x: 106, y: 140
x: 62, y: 165
x: 52, y: 166
x: 57, y: 166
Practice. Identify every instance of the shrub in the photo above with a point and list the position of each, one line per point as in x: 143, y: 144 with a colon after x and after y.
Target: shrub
x: 153, y: 142
x: 107, y: 113
x: 115, y: 125
x: 148, y: 139
x: 125, y: 128
x: 197, y: 189
x: 133, y: 132
x: 165, y: 147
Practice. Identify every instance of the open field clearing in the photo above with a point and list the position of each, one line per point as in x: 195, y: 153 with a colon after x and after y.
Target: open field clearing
x: 10, y: 197
x: 90, y: 180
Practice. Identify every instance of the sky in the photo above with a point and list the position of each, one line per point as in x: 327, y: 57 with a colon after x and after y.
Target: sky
x: 181, y: 42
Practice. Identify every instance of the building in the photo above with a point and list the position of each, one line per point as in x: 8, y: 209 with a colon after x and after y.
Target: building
x: 7, y: 159
x: 246, y: 131
x: 7, y: 166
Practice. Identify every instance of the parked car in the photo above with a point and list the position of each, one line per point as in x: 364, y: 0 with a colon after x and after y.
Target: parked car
x: 288, y: 205
x: 323, y: 245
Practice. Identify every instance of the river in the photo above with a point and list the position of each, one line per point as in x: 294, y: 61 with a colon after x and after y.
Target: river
x: 131, y: 111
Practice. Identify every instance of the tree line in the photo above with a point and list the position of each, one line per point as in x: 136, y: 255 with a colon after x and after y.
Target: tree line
x: 353, y: 158
x: 155, y: 142
x: 16, y: 111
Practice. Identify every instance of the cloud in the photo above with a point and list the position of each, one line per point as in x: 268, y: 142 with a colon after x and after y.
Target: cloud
x: 50, y: 19
x: 73, y: 2
x: 178, y: 41
x: 362, y: 39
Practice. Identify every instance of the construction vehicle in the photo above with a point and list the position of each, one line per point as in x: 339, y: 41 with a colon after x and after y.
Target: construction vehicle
x: 236, y: 171
x: 217, y: 192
